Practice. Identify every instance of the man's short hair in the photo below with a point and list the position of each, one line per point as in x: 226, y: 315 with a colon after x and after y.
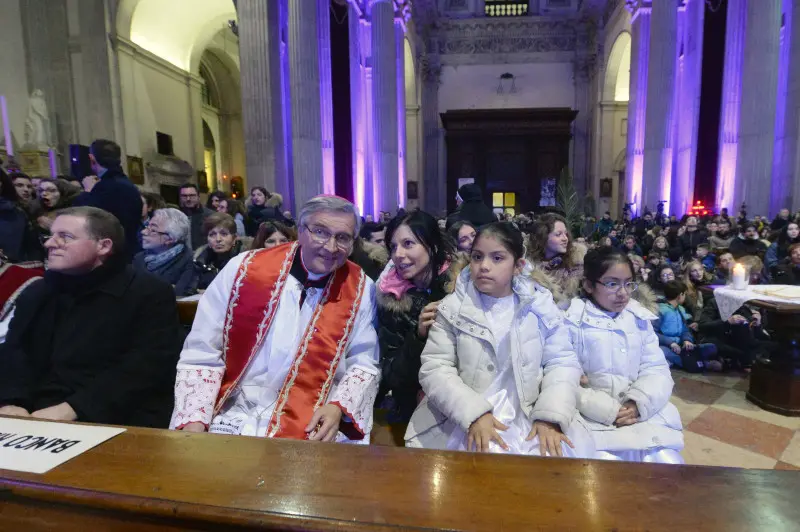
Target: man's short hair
x: 673, y: 289
x: 107, y: 153
x: 219, y: 219
x: 176, y: 224
x: 367, y: 228
x: 100, y: 224
x: 792, y: 248
x: 326, y: 203
x: 190, y: 185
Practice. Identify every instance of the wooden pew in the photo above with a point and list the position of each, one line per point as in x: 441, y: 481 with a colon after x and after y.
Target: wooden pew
x: 148, y: 479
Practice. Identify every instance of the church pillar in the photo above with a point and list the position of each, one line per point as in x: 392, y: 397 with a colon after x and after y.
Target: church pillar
x: 362, y: 164
x: 434, y: 180
x: 384, y: 104
x: 786, y: 178
x: 582, y: 76
x: 260, y: 59
x: 637, y: 103
x: 400, y: 42
x: 326, y: 97
x: 759, y: 90
x: 304, y: 79
x: 657, y: 162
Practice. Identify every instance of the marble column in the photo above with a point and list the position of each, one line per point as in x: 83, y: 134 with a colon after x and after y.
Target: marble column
x: 637, y: 103
x: 400, y: 39
x: 259, y: 56
x: 657, y: 163
x: 759, y: 89
x: 434, y: 181
x: 384, y: 104
x: 46, y: 35
x: 326, y: 97
x: 362, y: 163
x: 784, y: 193
x: 687, y: 103
x: 304, y: 79
x: 582, y: 76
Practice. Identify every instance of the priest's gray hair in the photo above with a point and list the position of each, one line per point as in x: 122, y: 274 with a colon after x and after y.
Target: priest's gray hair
x: 328, y: 204
x: 175, y: 224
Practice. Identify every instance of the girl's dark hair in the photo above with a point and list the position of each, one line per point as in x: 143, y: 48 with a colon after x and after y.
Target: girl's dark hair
x: 267, y: 229
x: 655, y: 280
x: 154, y: 201
x: 783, y: 238
x: 218, y: 194
x: 425, y: 228
x: 7, y: 189
x: 67, y: 193
x: 541, y: 232
x: 263, y: 191
x: 507, y: 234
x: 598, y: 261
x: 744, y: 227
x: 236, y: 207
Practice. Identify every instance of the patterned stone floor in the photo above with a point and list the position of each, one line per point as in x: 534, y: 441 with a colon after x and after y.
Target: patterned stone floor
x: 721, y: 428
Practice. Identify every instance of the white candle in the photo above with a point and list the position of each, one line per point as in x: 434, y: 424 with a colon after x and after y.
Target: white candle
x: 739, y: 280
x: 6, y: 127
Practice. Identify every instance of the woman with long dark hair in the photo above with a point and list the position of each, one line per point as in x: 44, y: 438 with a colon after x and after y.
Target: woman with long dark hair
x: 409, y: 289
x: 779, y: 250
x: 552, y: 251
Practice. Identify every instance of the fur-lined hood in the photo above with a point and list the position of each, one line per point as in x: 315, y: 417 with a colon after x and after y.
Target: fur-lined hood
x: 375, y: 252
x: 400, y: 306
x: 274, y: 201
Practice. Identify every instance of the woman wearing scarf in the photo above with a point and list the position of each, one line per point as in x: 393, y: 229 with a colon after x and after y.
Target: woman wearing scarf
x: 409, y: 290
x: 167, y: 254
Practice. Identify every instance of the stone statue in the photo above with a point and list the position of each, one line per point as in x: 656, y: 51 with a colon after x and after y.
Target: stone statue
x: 37, y: 125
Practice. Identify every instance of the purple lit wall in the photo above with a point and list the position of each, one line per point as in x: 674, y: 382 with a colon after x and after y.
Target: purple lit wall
x: 358, y: 125
x: 286, y: 108
x: 400, y: 30
x: 640, y: 48
x: 326, y: 96
x: 731, y: 103
x: 782, y: 174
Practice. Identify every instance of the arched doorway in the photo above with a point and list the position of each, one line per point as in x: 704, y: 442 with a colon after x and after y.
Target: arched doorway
x: 413, y: 129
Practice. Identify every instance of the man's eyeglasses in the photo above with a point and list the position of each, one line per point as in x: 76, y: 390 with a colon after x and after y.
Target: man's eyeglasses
x: 149, y: 229
x: 322, y: 236
x: 61, y: 239
x: 615, y: 286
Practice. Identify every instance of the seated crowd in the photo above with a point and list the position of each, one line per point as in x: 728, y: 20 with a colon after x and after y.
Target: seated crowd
x: 480, y: 332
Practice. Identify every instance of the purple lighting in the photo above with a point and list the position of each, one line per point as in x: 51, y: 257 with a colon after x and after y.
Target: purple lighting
x: 781, y: 175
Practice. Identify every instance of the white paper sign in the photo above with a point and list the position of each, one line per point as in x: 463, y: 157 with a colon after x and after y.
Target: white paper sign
x: 39, y: 446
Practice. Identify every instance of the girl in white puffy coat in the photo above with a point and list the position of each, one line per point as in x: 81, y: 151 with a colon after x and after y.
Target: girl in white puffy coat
x: 498, y: 370
x: 626, y: 400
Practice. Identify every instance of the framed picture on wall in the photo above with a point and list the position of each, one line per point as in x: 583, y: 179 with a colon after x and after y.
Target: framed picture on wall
x: 606, y: 187
x: 136, y: 170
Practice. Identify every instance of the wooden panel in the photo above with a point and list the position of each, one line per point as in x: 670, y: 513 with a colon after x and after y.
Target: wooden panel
x: 199, y: 481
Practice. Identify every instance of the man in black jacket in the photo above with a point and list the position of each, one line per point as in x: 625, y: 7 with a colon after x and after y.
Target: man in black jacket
x: 471, y: 207
x: 93, y: 341
x: 191, y: 207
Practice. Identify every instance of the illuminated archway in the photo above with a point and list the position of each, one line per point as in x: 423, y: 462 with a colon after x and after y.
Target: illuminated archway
x: 618, y: 71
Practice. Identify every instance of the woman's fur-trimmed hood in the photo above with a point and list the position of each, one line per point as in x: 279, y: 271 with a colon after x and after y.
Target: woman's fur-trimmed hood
x: 404, y: 304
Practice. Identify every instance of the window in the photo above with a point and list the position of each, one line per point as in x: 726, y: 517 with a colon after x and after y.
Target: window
x: 504, y: 203
x: 506, y: 8
x: 208, y: 90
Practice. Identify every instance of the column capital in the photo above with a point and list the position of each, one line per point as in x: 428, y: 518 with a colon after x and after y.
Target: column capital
x: 637, y: 6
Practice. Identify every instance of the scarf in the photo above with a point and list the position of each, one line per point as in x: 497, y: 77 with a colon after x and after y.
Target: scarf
x: 393, y: 283
x: 155, y: 261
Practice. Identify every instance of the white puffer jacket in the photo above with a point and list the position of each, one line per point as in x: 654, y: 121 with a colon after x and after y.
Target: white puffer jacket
x: 622, y: 360
x: 459, y: 363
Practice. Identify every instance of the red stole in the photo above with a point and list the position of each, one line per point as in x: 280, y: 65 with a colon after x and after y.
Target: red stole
x: 14, y: 278
x: 253, y: 303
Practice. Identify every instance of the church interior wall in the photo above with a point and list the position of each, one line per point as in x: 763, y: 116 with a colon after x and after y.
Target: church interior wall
x: 14, y: 78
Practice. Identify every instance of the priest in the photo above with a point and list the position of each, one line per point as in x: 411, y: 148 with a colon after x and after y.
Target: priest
x: 283, y: 343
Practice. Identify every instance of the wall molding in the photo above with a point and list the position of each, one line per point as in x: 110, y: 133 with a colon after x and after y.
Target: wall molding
x: 149, y: 59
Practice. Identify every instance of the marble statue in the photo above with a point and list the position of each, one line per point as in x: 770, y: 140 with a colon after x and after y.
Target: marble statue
x: 37, y: 125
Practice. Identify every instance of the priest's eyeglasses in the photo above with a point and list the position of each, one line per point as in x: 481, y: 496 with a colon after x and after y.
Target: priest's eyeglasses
x: 322, y: 236
x: 616, y: 286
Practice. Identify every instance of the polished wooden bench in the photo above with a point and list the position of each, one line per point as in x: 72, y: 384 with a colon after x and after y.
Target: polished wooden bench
x: 160, y: 480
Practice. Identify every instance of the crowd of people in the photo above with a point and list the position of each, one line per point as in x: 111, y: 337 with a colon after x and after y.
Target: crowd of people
x: 481, y: 331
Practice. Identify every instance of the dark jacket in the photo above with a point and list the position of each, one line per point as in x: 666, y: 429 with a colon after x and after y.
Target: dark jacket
x: 179, y: 272
x: 686, y: 244
x: 116, y: 194
x: 107, y: 343
x: 400, y: 345
x: 741, y: 247
x: 256, y: 215
x: 19, y: 241
x: 207, y: 264
x: 196, y: 218
x: 473, y: 209
x: 786, y: 273
x: 372, y: 258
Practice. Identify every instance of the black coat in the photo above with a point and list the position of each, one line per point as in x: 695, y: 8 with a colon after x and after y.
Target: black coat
x: 19, y: 241
x: 179, y: 272
x: 106, y: 343
x: 786, y: 273
x: 196, y: 218
x: 741, y: 247
x: 686, y: 244
x: 256, y: 215
x: 473, y: 209
x: 116, y: 194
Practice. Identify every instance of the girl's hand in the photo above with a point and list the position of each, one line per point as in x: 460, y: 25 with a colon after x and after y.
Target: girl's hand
x: 628, y: 414
x: 426, y: 319
x: 550, y: 438
x: 484, y: 430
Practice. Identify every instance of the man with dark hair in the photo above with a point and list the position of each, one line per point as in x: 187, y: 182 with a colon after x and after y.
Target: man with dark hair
x: 191, y: 207
x: 114, y: 193
x: 373, y: 233
x: 95, y: 340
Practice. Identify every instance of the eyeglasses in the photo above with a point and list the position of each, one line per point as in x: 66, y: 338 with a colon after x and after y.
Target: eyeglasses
x: 149, y: 229
x: 615, y: 286
x: 61, y: 239
x: 322, y: 236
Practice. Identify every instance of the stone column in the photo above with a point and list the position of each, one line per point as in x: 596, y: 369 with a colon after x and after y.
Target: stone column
x: 657, y: 163
x: 435, y: 184
x: 362, y: 163
x: 759, y: 86
x: 304, y: 79
x: 402, y: 156
x: 637, y: 104
x: 384, y: 104
x: 582, y: 76
x: 784, y: 193
x: 687, y: 107
x: 326, y: 97
x: 259, y: 56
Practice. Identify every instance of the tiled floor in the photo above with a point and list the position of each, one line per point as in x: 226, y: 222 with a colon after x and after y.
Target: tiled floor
x: 721, y: 428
